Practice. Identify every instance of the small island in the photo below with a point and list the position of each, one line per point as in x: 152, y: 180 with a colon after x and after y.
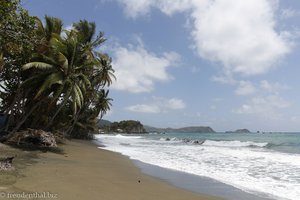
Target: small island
x: 125, y: 126
x: 244, y: 130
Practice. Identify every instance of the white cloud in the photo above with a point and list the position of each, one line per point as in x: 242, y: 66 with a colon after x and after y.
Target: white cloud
x: 137, y: 70
x: 174, y: 104
x: 144, y: 108
x: 241, y: 35
x: 273, y: 88
x: 268, y: 106
x: 267, y: 102
x: 225, y: 78
x: 134, y: 8
x: 289, y: 13
x: 245, y: 88
x: 158, y: 105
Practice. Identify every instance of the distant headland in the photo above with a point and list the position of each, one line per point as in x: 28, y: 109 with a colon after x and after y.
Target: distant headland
x: 189, y: 129
x: 136, y: 127
x: 244, y: 130
x: 132, y: 126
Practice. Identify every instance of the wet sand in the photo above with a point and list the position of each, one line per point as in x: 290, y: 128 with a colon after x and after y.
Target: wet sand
x: 87, y: 172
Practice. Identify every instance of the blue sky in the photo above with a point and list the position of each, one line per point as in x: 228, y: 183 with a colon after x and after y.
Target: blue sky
x: 227, y: 64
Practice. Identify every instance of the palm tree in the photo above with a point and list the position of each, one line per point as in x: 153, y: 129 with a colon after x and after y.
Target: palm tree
x: 53, y: 26
x: 103, y: 72
x: 53, y: 72
x: 88, y: 118
x: 69, y: 72
x: 58, y: 74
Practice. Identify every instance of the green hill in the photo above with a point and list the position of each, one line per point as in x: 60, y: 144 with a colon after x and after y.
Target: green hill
x: 189, y: 129
x: 125, y: 126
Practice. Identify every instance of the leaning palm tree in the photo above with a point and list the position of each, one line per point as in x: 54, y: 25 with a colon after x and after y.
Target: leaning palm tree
x: 53, y: 72
x: 88, y: 118
x: 68, y: 74
x: 58, y: 75
x: 103, y: 73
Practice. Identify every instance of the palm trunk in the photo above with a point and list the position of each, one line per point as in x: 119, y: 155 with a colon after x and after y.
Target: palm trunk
x: 70, y: 129
x: 57, y: 112
x: 10, y: 115
x: 26, y: 117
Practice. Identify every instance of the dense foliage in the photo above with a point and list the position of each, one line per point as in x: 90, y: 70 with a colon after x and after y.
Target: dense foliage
x: 50, y: 78
x: 126, y: 126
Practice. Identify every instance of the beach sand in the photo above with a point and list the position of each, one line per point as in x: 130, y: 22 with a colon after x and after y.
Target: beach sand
x: 84, y: 171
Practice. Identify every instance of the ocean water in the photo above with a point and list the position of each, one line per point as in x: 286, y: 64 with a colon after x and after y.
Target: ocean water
x: 267, y: 165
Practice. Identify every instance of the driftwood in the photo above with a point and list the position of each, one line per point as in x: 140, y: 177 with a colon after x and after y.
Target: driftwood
x: 31, y: 137
x: 6, y: 164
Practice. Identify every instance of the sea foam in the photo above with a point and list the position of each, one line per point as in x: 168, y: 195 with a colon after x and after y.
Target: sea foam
x: 255, y: 170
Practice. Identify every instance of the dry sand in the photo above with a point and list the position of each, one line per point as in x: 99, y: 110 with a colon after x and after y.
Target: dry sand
x: 85, y: 172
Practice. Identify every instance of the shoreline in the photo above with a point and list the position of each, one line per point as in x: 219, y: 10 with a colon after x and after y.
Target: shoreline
x: 197, y: 184
x: 170, y: 163
x: 191, y: 182
x: 86, y: 172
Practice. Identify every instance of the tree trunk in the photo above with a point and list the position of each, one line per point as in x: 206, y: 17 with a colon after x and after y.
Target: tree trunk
x: 26, y: 116
x: 57, y: 112
x: 70, y: 129
x: 10, y: 115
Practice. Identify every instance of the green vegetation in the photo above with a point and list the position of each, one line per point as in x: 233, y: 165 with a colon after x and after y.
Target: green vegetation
x: 125, y: 126
x: 50, y: 78
x: 244, y: 130
x: 190, y: 129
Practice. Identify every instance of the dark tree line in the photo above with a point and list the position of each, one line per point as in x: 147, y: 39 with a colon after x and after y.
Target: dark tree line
x: 51, y: 78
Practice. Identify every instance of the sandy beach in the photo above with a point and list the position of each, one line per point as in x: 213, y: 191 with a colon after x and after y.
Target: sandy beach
x: 84, y: 171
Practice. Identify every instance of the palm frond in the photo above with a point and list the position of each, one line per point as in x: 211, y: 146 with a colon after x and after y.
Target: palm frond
x: 78, y: 94
x: 38, y: 65
x: 99, y: 40
x: 53, y: 25
x: 85, y: 79
x: 44, y: 58
x: 54, y: 78
x: 57, y: 45
x: 39, y: 26
x: 64, y: 63
x: 85, y: 30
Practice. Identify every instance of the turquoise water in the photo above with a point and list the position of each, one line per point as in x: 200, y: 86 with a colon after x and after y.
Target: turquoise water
x: 283, y: 142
